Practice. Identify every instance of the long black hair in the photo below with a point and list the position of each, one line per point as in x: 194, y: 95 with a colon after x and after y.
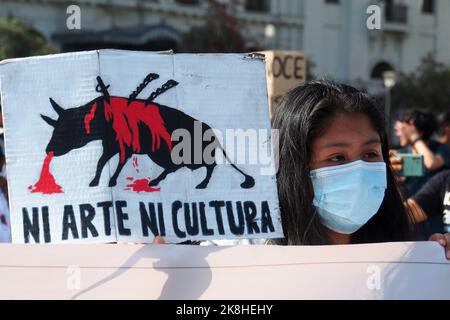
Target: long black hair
x: 301, y: 117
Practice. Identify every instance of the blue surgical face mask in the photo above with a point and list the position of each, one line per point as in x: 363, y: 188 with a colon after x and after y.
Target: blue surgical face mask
x: 347, y: 196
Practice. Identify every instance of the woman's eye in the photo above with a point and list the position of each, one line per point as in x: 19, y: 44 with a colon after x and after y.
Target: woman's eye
x: 337, y: 159
x: 372, y: 155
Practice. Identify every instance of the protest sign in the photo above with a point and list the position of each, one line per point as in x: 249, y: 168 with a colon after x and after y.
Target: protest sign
x: 113, y: 145
x: 285, y: 71
x: 371, y: 271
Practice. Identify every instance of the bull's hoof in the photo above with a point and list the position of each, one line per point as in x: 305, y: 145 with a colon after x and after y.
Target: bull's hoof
x: 112, y: 183
x: 94, y: 183
x: 248, y: 183
x: 153, y: 183
x: 203, y: 184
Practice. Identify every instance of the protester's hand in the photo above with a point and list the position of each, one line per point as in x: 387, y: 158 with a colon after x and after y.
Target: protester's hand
x: 396, y: 161
x: 156, y: 240
x: 407, y: 130
x: 159, y: 240
x: 444, y: 241
x: 397, y: 166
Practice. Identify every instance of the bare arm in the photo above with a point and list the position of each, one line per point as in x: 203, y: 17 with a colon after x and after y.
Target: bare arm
x: 431, y: 161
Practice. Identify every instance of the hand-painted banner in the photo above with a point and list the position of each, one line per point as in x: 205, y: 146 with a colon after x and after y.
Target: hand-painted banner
x: 119, y: 271
x: 111, y: 145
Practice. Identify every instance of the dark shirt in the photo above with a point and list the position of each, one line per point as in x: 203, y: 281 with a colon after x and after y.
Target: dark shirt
x: 434, y: 198
x: 413, y: 184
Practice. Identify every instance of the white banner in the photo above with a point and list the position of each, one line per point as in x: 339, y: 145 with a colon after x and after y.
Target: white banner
x: 373, y: 271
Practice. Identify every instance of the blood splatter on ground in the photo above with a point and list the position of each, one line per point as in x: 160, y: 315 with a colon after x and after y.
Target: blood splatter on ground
x: 140, y: 185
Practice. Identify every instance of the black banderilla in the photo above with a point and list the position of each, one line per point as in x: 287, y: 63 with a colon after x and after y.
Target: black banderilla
x: 102, y: 88
x: 166, y: 86
x: 149, y: 78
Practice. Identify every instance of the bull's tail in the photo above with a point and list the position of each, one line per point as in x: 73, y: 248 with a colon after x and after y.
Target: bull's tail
x: 249, y: 182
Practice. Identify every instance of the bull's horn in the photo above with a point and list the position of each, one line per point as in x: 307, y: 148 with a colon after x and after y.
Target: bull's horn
x: 59, y: 110
x: 49, y: 120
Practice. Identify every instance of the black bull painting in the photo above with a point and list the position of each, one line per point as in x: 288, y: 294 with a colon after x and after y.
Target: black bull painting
x: 129, y: 126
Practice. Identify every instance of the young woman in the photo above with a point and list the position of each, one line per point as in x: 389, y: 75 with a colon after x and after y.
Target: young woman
x: 335, y: 182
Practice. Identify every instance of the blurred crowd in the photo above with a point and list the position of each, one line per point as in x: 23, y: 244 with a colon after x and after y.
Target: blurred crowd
x: 425, y: 149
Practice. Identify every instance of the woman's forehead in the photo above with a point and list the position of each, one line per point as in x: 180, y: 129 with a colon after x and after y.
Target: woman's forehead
x: 345, y: 130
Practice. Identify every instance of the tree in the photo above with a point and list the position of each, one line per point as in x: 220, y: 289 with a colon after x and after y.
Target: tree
x: 428, y: 88
x: 18, y: 40
x: 220, y: 33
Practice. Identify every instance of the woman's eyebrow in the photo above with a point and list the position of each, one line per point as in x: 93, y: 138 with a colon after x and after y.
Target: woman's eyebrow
x: 335, y: 145
x: 372, y: 141
x: 344, y: 144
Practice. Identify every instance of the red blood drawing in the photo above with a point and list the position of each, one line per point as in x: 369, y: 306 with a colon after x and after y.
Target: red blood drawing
x: 141, y: 185
x: 125, y: 119
x: 46, y: 183
x: 89, y: 117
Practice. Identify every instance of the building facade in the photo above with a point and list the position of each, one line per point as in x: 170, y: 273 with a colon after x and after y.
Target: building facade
x: 333, y: 33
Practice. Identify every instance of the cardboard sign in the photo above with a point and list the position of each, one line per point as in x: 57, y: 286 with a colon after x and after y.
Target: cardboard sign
x: 112, y: 145
x: 285, y: 71
x: 371, y: 271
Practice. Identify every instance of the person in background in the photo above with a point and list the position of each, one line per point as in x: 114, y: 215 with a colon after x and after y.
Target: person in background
x: 5, y: 225
x: 444, y: 128
x: 415, y: 132
x: 433, y: 200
